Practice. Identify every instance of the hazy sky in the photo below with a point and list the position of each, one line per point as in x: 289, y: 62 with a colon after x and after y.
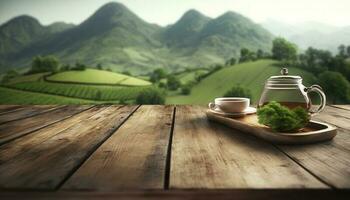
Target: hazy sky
x: 163, y: 12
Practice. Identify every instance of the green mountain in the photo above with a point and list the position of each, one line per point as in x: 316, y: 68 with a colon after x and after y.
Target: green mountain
x: 186, y: 31
x: 24, y: 30
x: 117, y: 38
x: 19, y: 32
x: 59, y: 27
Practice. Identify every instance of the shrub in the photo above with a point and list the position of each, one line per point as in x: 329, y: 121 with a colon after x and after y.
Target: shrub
x: 9, y: 75
x: 238, y: 91
x: 151, y: 97
x: 186, y: 90
x: 79, y: 67
x: 173, y: 83
x: 336, y: 87
x: 44, y: 64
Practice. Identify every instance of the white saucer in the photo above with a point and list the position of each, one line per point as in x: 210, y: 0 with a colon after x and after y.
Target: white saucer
x: 248, y: 111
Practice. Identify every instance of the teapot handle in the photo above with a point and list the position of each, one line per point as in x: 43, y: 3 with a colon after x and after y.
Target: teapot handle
x: 319, y: 91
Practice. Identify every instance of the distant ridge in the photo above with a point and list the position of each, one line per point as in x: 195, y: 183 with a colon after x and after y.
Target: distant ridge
x: 117, y: 38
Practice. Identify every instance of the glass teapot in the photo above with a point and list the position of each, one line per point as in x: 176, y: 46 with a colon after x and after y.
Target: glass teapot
x: 290, y: 92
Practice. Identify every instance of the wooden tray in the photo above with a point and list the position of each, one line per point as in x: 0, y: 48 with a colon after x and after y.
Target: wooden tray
x: 312, y: 133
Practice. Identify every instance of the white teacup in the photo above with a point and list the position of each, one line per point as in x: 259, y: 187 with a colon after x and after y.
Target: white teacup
x: 230, y: 104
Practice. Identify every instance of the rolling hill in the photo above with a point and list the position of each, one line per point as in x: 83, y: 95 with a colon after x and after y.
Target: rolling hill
x: 73, y: 87
x: 251, y: 75
x: 117, y: 38
x: 93, y: 76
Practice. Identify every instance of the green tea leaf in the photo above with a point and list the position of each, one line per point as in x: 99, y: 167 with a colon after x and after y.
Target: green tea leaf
x: 282, y: 119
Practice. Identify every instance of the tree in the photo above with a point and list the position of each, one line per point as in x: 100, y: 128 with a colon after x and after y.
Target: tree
x: 173, y: 82
x: 66, y: 67
x: 315, y: 60
x: 339, y: 64
x: 186, y: 90
x: 231, y: 61
x: 44, y: 64
x: 79, y: 67
x: 348, y: 51
x: 9, y: 75
x: 238, y: 91
x: 99, y: 66
x: 150, y: 97
x: 246, y: 55
x: 157, y: 75
x: 341, y: 51
x: 283, y: 50
x: 260, y: 54
x: 336, y: 87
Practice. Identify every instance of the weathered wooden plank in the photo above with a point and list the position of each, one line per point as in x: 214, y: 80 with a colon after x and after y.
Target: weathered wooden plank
x: 23, y: 144
x: 227, y: 194
x: 209, y: 155
x: 15, y: 129
x: 330, y: 161
x: 132, y: 158
x: 8, y: 108
x: 47, y: 165
x: 27, y: 111
x: 346, y: 107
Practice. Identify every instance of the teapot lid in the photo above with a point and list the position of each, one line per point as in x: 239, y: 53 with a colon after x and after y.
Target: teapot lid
x: 284, y: 78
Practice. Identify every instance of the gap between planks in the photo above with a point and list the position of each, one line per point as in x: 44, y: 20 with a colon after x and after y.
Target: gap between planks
x: 328, y: 161
x: 38, y: 127
x: 27, y: 112
x: 134, y: 157
x: 95, y: 148
x: 58, y: 155
x: 168, y: 158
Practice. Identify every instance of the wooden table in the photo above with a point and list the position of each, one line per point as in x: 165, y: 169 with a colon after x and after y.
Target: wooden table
x: 133, y: 152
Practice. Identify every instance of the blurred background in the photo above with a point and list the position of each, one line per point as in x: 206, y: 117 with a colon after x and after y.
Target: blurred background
x: 168, y: 51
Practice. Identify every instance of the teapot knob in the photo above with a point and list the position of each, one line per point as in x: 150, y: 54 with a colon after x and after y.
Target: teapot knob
x: 284, y: 71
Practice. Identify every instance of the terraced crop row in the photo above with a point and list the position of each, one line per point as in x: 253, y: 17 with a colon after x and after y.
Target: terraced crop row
x: 99, y: 93
x: 11, y: 96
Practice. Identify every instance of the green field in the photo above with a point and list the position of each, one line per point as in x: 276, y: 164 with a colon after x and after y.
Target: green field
x: 11, y: 96
x: 187, y: 77
x: 251, y: 75
x: 93, y: 76
x: 91, y: 92
x: 28, y: 78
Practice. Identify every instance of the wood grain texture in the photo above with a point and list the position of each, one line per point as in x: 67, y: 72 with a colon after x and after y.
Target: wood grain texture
x: 15, y: 129
x: 330, y: 161
x: 8, y: 108
x: 48, y: 164
x: 23, y: 144
x: 25, y: 112
x: 236, y: 194
x: 133, y: 158
x: 346, y: 107
x: 313, y: 132
x: 209, y: 155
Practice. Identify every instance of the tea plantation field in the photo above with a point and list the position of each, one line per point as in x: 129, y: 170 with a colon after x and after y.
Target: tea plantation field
x: 187, y: 77
x: 73, y: 87
x: 94, y: 76
x: 28, y: 78
x: 90, y: 92
x: 12, y: 96
x: 251, y: 75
